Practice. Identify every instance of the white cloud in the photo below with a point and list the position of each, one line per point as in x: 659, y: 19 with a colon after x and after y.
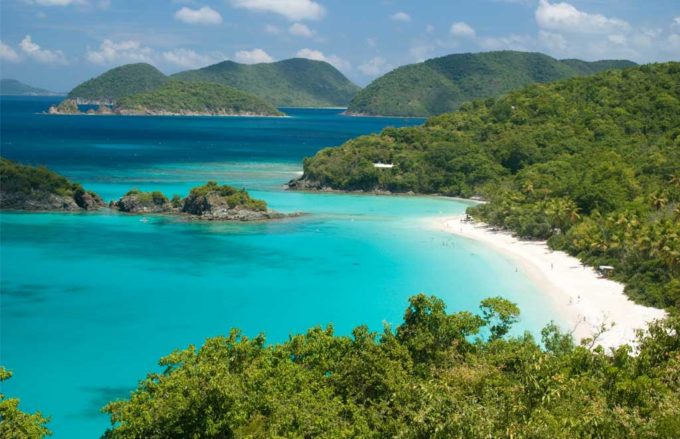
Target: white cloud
x: 371, y: 42
x: 617, y: 39
x: 374, y: 66
x: 254, y: 56
x: 294, y: 10
x: 271, y: 29
x: 564, y: 17
x: 509, y: 42
x: 401, y: 16
x: 317, y: 55
x: 60, y: 2
x: 676, y: 21
x: 189, y: 58
x: 111, y: 52
x: 429, y: 29
x: 33, y: 50
x: 462, y: 29
x: 300, y: 30
x: 555, y: 42
x: 7, y: 53
x: 204, y: 15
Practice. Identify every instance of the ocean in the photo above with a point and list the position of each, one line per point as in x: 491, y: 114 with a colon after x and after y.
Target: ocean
x: 89, y: 302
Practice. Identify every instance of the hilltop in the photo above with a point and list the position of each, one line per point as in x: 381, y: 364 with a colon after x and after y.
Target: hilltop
x: 119, y: 82
x: 592, y: 164
x: 296, y: 82
x: 12, y: 87
x: 442, y: 84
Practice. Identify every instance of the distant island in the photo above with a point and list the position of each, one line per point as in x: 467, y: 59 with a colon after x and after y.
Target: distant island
x: 29, y: 188
x: 293, y: 83
x: 117, y: 83
x: 297, y: 82
x: 440, y: 85
x: 590, y: 164
x: 13, y: 87
x: 180, y: 98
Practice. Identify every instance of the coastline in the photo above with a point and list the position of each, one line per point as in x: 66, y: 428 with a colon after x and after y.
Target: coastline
x: 584, y: 299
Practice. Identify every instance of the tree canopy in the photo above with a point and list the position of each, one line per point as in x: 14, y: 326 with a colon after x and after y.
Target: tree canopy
x: 437, y: 376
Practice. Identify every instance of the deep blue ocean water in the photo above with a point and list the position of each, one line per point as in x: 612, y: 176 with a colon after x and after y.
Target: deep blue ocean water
x: 90, y: 302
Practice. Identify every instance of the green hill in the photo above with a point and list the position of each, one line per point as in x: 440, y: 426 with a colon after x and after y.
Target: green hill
x: 119, y: 82
x: 294, y: 82
x: 179, y: 97
x: 593, y: 164
x: 443, y: 84
x: 12, y: 87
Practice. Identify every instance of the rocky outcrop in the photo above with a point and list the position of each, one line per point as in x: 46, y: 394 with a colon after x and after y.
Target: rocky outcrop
x: 46, y: 201
x: 143, y: 202
x: 210, y: 202
x: 67, y: 106
x: 216, y: 207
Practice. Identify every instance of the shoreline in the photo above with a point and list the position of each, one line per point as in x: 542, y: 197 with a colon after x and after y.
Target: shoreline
x: 584, y: 299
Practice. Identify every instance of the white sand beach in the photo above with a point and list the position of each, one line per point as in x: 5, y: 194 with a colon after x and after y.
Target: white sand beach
x: 581, y: 295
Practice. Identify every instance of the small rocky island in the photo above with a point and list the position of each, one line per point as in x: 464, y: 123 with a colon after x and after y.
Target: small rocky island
x: 179, y: 98
x: 211, y: 202
x: 39, y: 189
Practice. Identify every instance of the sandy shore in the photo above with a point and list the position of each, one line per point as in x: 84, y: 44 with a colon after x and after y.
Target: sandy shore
x: 584, y: 299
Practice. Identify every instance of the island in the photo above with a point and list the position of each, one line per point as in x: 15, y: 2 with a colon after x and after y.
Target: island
x: 13, y: 87
x: 39, y: 189
x: 179, y: 98
x: 30, y: 188
x: 210, y: 202
x: 296, y: 82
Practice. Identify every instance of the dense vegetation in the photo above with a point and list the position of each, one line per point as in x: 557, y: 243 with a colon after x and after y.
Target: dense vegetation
x: 293, y: 82
x: 12, y: 87
x: 20, y: 185
x: 438, y: 375
x: 592, y: 163
x: 442, y: 84
x: 16, y: 424
x: 119, y: 82
x: 234, y: 198
x: 179, y: 97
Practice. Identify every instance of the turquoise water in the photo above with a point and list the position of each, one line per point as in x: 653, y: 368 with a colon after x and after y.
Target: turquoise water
x: 90, y: 302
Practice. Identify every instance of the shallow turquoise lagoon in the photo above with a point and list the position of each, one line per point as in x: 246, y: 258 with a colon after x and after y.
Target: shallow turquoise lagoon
x: 90, y: 302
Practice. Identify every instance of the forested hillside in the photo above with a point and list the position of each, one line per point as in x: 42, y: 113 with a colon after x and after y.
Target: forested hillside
x: 296, y: 82
x: 119, y: 82
x: 442, y: 84
x: 593, y: 164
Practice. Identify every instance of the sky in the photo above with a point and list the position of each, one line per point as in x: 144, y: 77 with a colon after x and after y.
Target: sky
x: 56, y: 44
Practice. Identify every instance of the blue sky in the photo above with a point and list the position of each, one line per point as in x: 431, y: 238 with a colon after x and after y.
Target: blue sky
x: 59, y: 43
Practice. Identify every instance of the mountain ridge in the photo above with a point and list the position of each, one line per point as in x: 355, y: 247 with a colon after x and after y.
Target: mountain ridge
x: 442, y: 84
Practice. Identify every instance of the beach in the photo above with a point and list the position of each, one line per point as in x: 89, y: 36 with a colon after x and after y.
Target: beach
x: 582, y: 296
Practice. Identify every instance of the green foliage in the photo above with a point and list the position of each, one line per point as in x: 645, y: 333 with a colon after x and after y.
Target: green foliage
x: 16, y: 178
x: 235, y: 198
x: 442, y: 84
x: 429, y: 380
x: 155, y: 197
x: 592, y: 164
x: 290, y: 83
x: 16, y: 424
x: 12, y: 87
x: 184, y: 97
x: 119, y: 82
